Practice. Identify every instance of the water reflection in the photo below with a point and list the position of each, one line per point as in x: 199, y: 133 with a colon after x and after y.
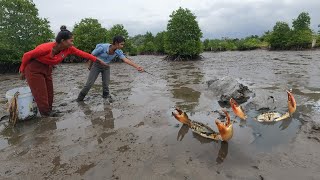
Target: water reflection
x: 26, y: 133
x: 242, y: 123
x: 223, y: 151
x: 189, y: 96
x: 103, y: 118
x: 47, y: 124
x: 285, y: 124
x: 12, y: 136
x: 180, y: 79
x: 182, y: 132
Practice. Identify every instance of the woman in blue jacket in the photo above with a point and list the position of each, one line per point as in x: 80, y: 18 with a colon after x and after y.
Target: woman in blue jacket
x: 105, y: 52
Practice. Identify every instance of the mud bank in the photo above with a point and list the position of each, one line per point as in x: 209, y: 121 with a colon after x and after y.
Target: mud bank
x: 137, y: 138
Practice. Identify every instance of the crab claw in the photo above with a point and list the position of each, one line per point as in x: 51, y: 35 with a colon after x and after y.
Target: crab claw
x: 179, y: 110
x: 228, y: 122
x: 181, y: 116
x: 226, y: 131
x: 238, y: 111
x: 292, y: 105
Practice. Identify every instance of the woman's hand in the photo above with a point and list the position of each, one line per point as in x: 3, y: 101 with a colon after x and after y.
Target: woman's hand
x: 22, y: 76
x: 90, y: 65
x: 140, y: 69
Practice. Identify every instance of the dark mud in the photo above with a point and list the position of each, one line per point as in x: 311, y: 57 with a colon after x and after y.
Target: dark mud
x: 137, y: 138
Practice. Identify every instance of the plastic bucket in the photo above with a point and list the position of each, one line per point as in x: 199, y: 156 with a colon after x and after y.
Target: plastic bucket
x: 26, y: 104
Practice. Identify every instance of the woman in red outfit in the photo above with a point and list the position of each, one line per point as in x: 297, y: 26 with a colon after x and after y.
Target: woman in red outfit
x: 37, y: 64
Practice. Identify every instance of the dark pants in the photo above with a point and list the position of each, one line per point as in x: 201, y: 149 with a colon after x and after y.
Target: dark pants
x: 95, y: 70
x: 39, y: 78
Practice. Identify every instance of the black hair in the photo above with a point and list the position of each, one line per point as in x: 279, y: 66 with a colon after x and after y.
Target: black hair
x: 64, y: 34
x: 118, y: 39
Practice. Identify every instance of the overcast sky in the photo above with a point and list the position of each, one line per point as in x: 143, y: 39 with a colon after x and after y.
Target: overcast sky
x: 217, y: 18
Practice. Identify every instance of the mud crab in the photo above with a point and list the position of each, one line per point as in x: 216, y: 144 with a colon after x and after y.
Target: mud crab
x: 225, y: 129
x: 275, y: 116
x: 13, y: 109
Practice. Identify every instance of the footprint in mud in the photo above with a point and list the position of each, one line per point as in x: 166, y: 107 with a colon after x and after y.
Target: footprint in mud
x: 23, y: 152
x: 84, y: 168
x: 140, y: 124
x: 57, y: 164
x: 162, y: 167
x: 4, y: 117
x: 63, y: 104
x: 123, y: 148
x: 104, y: 135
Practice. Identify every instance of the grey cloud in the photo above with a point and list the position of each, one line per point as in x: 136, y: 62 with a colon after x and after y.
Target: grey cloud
x: 229, y: 18
x: 245, y: 19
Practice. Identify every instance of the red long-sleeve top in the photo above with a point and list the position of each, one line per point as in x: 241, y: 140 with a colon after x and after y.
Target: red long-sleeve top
x: 42, y: 53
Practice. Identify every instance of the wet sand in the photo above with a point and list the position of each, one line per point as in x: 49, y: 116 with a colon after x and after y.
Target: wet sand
x: 137, y: 138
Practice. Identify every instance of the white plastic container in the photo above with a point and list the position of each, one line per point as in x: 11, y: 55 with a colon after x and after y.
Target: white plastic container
x: 26, y: 104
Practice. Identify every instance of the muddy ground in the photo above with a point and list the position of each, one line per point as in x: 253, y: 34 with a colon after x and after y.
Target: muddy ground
x: 137, y: 138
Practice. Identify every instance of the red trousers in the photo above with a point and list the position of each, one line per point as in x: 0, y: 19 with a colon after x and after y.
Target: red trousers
x: 39, y: 78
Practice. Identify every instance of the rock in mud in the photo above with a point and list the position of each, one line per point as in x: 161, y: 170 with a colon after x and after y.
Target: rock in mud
x: 227, y: 87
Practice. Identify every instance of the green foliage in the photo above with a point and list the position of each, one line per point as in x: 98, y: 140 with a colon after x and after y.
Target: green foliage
x: 150, y: 47
x: 149, y: 44
x: 317, y: 37
x: 214, y: 45
x: 302, y: 22
x: 266, y: 36
x: 183, y: 35
x: 128, y: 46
x: 21, y: 28
x: 138, y: 40
x: 280, y: 36
x: 119, y: 30
x: 206, y: 44
x: 148, y: 37
x: 159, y: 42
x: 88, y: 33
x: 300, y: 37
x: 226, y: 45
x: 9, y: 54
x: 249, y: 43
x: 133, y: 51
x: 318, y: 41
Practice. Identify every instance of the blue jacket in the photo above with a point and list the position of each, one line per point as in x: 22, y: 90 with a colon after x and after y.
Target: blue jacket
x: 101, y: 51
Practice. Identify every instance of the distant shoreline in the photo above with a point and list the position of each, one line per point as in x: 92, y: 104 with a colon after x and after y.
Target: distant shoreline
x: 266, y: 49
